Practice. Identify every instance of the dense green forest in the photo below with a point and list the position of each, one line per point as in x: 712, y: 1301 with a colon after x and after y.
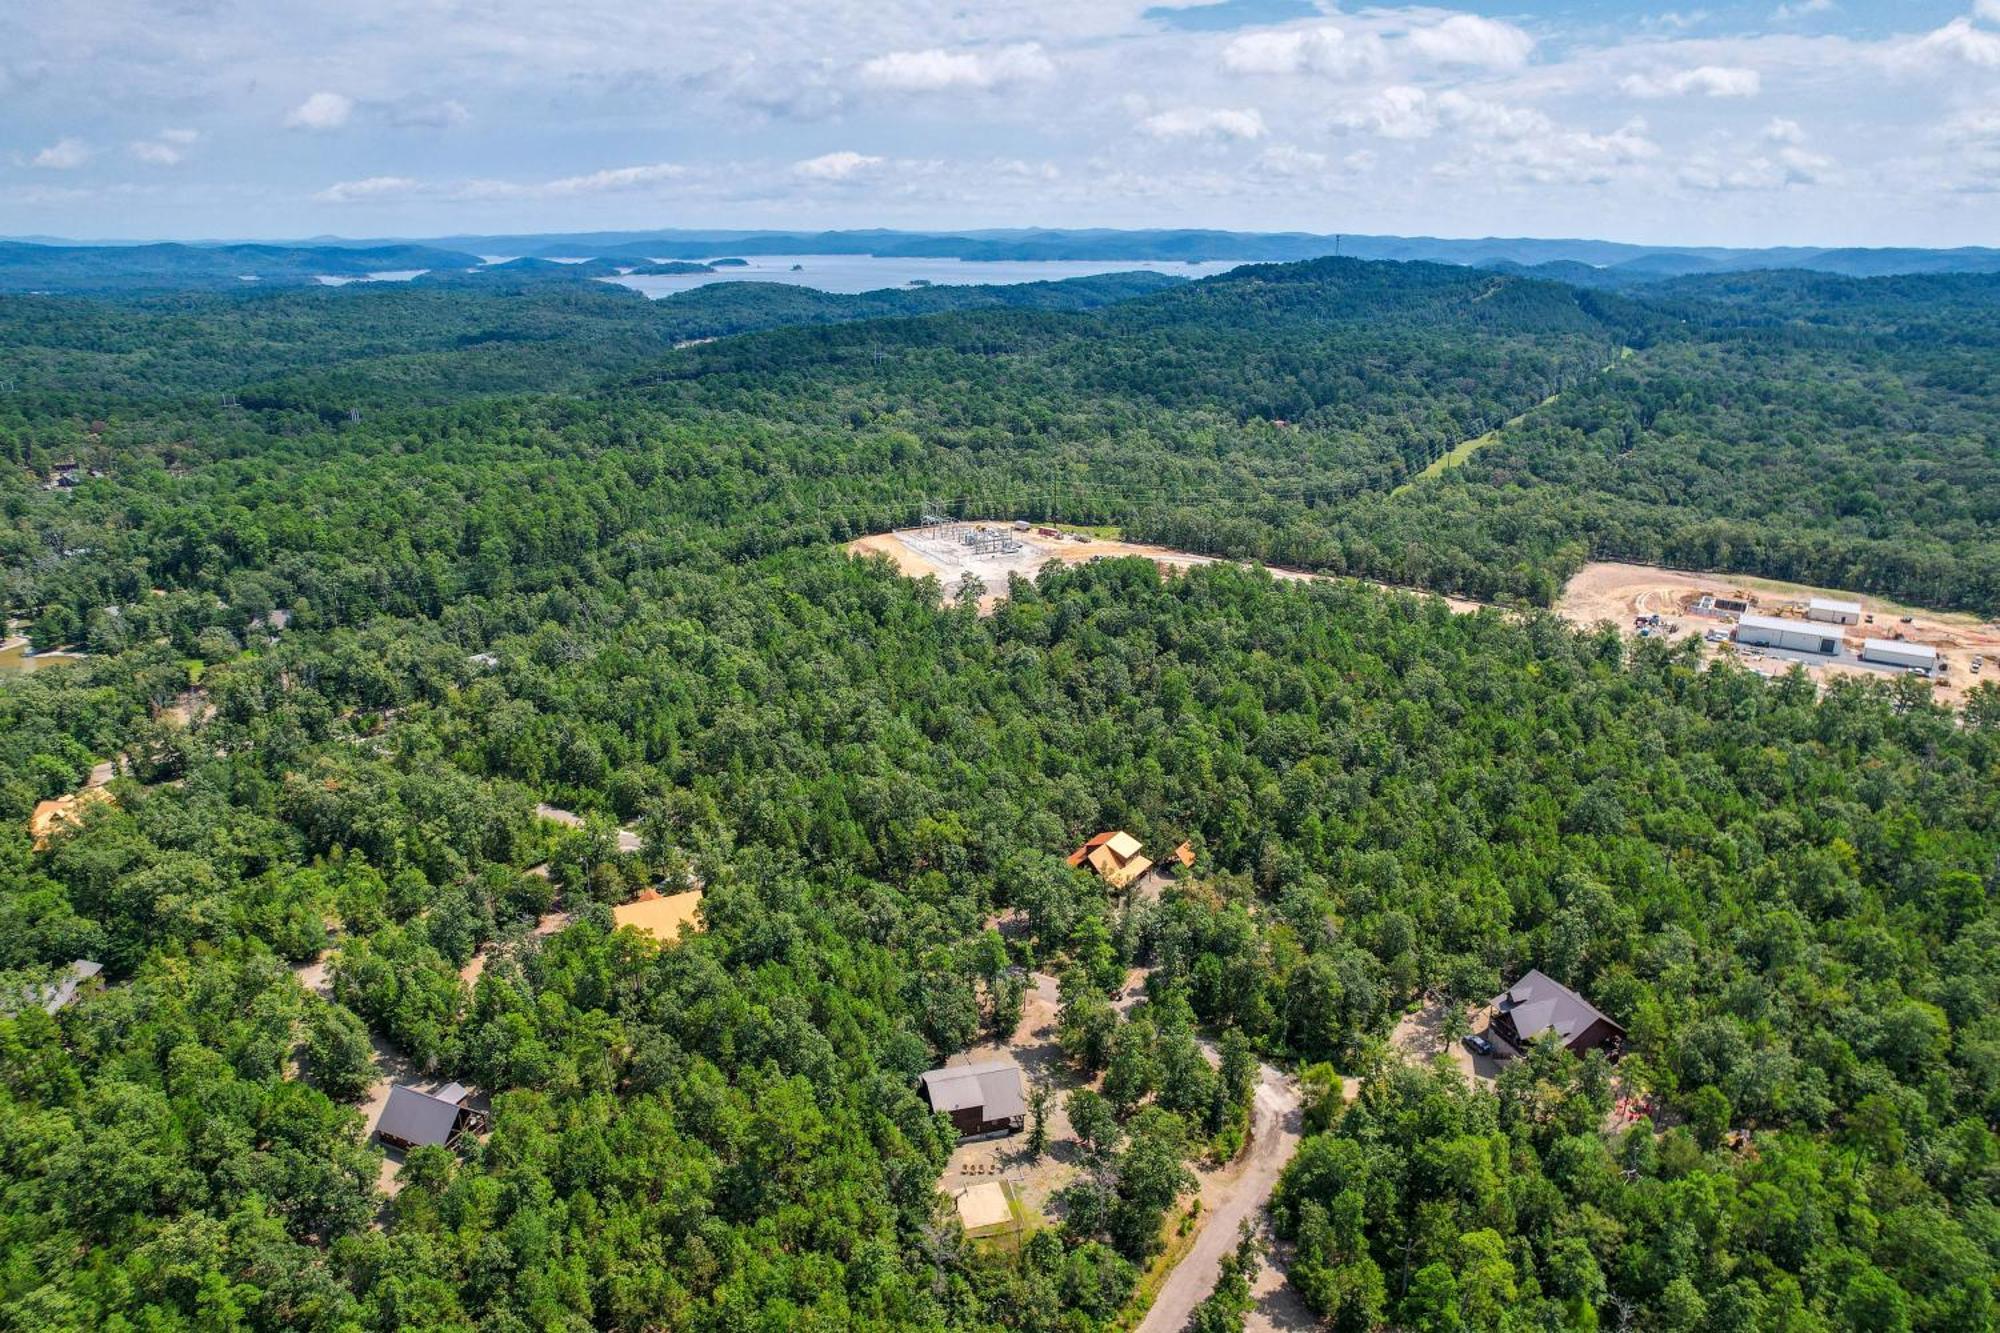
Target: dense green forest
x: 558, y: 559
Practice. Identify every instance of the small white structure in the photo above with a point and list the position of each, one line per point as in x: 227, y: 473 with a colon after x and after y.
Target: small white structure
x: 1798, y: 635
x: 1891, y: 652
x: 1833, y: 612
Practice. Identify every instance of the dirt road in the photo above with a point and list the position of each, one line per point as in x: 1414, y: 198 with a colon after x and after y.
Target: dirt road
x: 1227, y: 1200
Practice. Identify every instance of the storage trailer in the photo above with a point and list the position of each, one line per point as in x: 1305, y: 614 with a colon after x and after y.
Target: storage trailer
x: 1890, y: 652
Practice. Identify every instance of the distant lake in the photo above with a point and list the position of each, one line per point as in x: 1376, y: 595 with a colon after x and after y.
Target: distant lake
x: 386, y: 275
x: 868, y: 273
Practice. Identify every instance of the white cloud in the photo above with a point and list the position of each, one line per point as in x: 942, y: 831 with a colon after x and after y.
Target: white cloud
x: 1397, y: 112
x: 165, y: 149
x: 1481, y: 118
x: 321, y: 111
x: 610, y: 181
x: 1988, y: 10
x: 1979, y: 124
x: 1956, y: 40
x: 1286, y: 161
x: 596, y: 182
x: 1467, y: 39
x: 939, y: 70
x: 64, y: 154
x: 1324, y: 50
x: 1785, y: 13
x: 373, y: 187
x: 422, y: 115
x: 1556, y: 156
x: 1498, y: 140
x: 1707, y: 80
x: 1781, y: 160
x: 1756, y: 171
x: 1200, y: 122
x: 836, y: 166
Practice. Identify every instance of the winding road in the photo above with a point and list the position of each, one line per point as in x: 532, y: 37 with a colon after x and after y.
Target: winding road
x: 1228, y: 1199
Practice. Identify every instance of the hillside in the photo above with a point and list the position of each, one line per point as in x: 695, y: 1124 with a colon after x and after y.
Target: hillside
x: 391, y: 712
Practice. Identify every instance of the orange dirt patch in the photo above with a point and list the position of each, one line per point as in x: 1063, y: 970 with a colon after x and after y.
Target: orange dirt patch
x: 661, y: 916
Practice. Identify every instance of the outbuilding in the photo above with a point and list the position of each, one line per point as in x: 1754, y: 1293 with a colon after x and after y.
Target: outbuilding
x: 1538, y: 1007
x: 982, y: 1098
x: 1833, y: 612
x: 1798, y: 635
x: 1893, y: 652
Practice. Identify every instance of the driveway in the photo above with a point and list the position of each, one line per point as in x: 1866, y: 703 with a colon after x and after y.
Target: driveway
x: 1229, y: 1198
x: 1420, y: 1037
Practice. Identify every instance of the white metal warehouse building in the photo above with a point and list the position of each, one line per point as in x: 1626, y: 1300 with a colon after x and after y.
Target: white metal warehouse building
x: 1798, y: 635
x: 1833, y: 612
x: 1890, y: 652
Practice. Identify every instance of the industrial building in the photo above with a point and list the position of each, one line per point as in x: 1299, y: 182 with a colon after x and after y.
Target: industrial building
x: 1798, y: 635
x: 1893, y: 652
x: 1833, y: 612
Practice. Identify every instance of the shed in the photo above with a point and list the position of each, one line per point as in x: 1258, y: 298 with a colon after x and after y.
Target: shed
x: 1798, y: 635
x: 1537, y: 1006
x: 1894, y: 652
x: 982, y: 1098
x: 414, y: 1119
x: 1833, y: 612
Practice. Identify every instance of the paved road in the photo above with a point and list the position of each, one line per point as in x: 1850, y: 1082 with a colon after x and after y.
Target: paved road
x: 1229, y: 1199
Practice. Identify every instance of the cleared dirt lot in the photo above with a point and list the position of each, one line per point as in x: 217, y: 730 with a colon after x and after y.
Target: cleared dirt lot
x: 1419, y: 1037
x: 1620, y: 592
x: 918, y: 553
x: 1034, y: 1048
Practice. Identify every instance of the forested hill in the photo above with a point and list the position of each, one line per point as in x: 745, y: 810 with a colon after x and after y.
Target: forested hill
x: 400, y: 345
x: 126, y: 268
x: 1835, y: 431
x: 1276, y: 297
x: 336, y: 664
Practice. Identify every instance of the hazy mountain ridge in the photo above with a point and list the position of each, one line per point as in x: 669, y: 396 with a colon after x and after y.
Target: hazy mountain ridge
x: 30, y: 266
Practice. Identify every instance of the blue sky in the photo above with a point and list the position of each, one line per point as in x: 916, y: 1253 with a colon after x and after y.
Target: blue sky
x: 1787, y: 121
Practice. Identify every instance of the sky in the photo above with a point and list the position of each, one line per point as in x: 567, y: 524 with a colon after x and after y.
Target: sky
x: 1812, y: 122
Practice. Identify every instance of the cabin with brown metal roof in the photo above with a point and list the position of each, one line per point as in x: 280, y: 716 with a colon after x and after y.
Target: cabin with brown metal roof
x: 1536, y: 1008
x: 982, y: 1098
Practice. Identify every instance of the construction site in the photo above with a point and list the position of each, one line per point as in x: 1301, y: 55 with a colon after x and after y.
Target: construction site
x: 1861, y: 636
x: 992, y: 550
